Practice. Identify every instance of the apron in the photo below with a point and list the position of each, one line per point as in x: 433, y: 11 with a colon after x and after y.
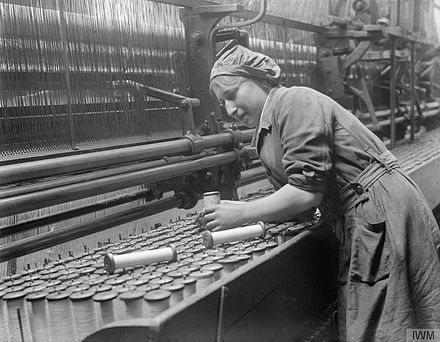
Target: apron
x: 389, y: 268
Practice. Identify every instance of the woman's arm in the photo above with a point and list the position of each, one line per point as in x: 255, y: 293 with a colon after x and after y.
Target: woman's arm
x: 281, y: 205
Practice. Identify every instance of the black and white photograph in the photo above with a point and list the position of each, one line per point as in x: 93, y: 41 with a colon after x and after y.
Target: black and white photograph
x: 219, y: 170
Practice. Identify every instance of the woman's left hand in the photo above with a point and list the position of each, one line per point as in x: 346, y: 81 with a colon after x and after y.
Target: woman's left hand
x: 226, y: 215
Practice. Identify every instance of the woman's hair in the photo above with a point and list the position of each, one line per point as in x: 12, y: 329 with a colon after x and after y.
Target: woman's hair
x: 225, y: 86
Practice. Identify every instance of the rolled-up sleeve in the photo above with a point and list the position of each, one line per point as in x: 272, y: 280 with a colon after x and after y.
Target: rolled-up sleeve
x: 306, y: 139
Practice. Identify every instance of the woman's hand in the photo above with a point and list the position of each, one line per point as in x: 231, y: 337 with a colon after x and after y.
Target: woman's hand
x: 226, y: 215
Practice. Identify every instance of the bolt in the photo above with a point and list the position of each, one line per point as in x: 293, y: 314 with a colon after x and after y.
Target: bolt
x: 197, y: 37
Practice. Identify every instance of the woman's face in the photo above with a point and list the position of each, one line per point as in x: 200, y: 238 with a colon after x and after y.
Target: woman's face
x: 245, y: 103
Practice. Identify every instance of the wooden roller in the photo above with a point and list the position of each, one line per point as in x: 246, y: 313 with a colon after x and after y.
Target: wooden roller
x: 112, y: 262
x: 236, y: 234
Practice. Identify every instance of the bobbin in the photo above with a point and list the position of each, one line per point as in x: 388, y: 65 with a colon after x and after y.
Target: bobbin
x: 133, y: 303
x: 105, y: 300
x: 215, y: 268
x: 157, y: 301
x: 204, y: 278
x: 60, y: 315
x: 190, y: 285
x: 17, y: 316
x: 176, y: 290
x: 211, y: 199
x: 236, y: 234
x: 112, y: 262
x: 84, y: 313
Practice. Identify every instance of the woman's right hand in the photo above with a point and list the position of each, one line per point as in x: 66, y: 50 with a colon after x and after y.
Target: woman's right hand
x: 226, y: 215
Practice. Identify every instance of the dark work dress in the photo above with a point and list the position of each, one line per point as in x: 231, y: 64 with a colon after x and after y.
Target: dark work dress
x: 389, y: 266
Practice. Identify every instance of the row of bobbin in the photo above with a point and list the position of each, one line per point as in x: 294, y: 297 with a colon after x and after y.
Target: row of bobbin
x: 86, y: 262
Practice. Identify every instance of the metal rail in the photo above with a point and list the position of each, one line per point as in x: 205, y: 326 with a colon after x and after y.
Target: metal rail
x: 43, y: 241
x: 246, y: 14
x: 58, y: 166
x: 36, y: 200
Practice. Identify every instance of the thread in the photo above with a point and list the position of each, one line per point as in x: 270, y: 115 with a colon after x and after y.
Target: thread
x: 176, y: 290
x: 106, y: 309
x: 204, y: 278
x: 258, y: 251
x: 17, y: 317
x: 112, y: 262
x: 161, y: 280
x: 60, y: 316
x: 4, y: 329
x: 229, y: 265
x: 211, y: 239
x: 189, y: 285
x: 269, y: 244
x: 215, y: 268
x: 102, y: 288
x: 39, y: 317
x: 242, y: 259
x: 84, y: 313
x: 133, y: 303
x: 157, y: 302
x: 119, y: 305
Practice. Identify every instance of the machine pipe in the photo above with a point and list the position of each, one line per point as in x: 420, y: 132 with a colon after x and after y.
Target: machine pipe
x: 40, y: 242
x: 252, y: 175
x: 27, y: 202
x: 33, y: 187
x: 57, y: 166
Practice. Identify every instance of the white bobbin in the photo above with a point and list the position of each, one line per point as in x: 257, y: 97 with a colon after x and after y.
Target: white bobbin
x: 215, y: 268
x: 204, y: 278
x: 112, y: 262
x: 4, y: 329
x: 157, y: 301
x: 211, y: 239
x: 190, y: 285
x: 60, y: 316
x: 133, y: 303
x: 39, y: 316
x: 106, y: 309
x: 84, y: 313
x: 229, y: 264
x: 18, y: 317
x: 176, y: 290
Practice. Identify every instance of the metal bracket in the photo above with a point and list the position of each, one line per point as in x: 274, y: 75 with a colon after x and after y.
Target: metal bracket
x: 217, y: 9
x: 139, y: 90
x: 355, y: 56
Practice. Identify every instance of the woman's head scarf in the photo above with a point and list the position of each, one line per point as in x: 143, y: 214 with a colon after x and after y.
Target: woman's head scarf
x: 240, y: 61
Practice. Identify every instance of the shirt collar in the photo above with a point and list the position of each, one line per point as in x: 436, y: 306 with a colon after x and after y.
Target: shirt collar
x: 265, y: 117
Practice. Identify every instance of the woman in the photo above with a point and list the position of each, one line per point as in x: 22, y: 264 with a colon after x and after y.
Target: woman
x: 317, y: 154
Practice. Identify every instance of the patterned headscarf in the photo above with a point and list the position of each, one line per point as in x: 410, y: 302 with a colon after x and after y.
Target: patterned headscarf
x: 240, y: 61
